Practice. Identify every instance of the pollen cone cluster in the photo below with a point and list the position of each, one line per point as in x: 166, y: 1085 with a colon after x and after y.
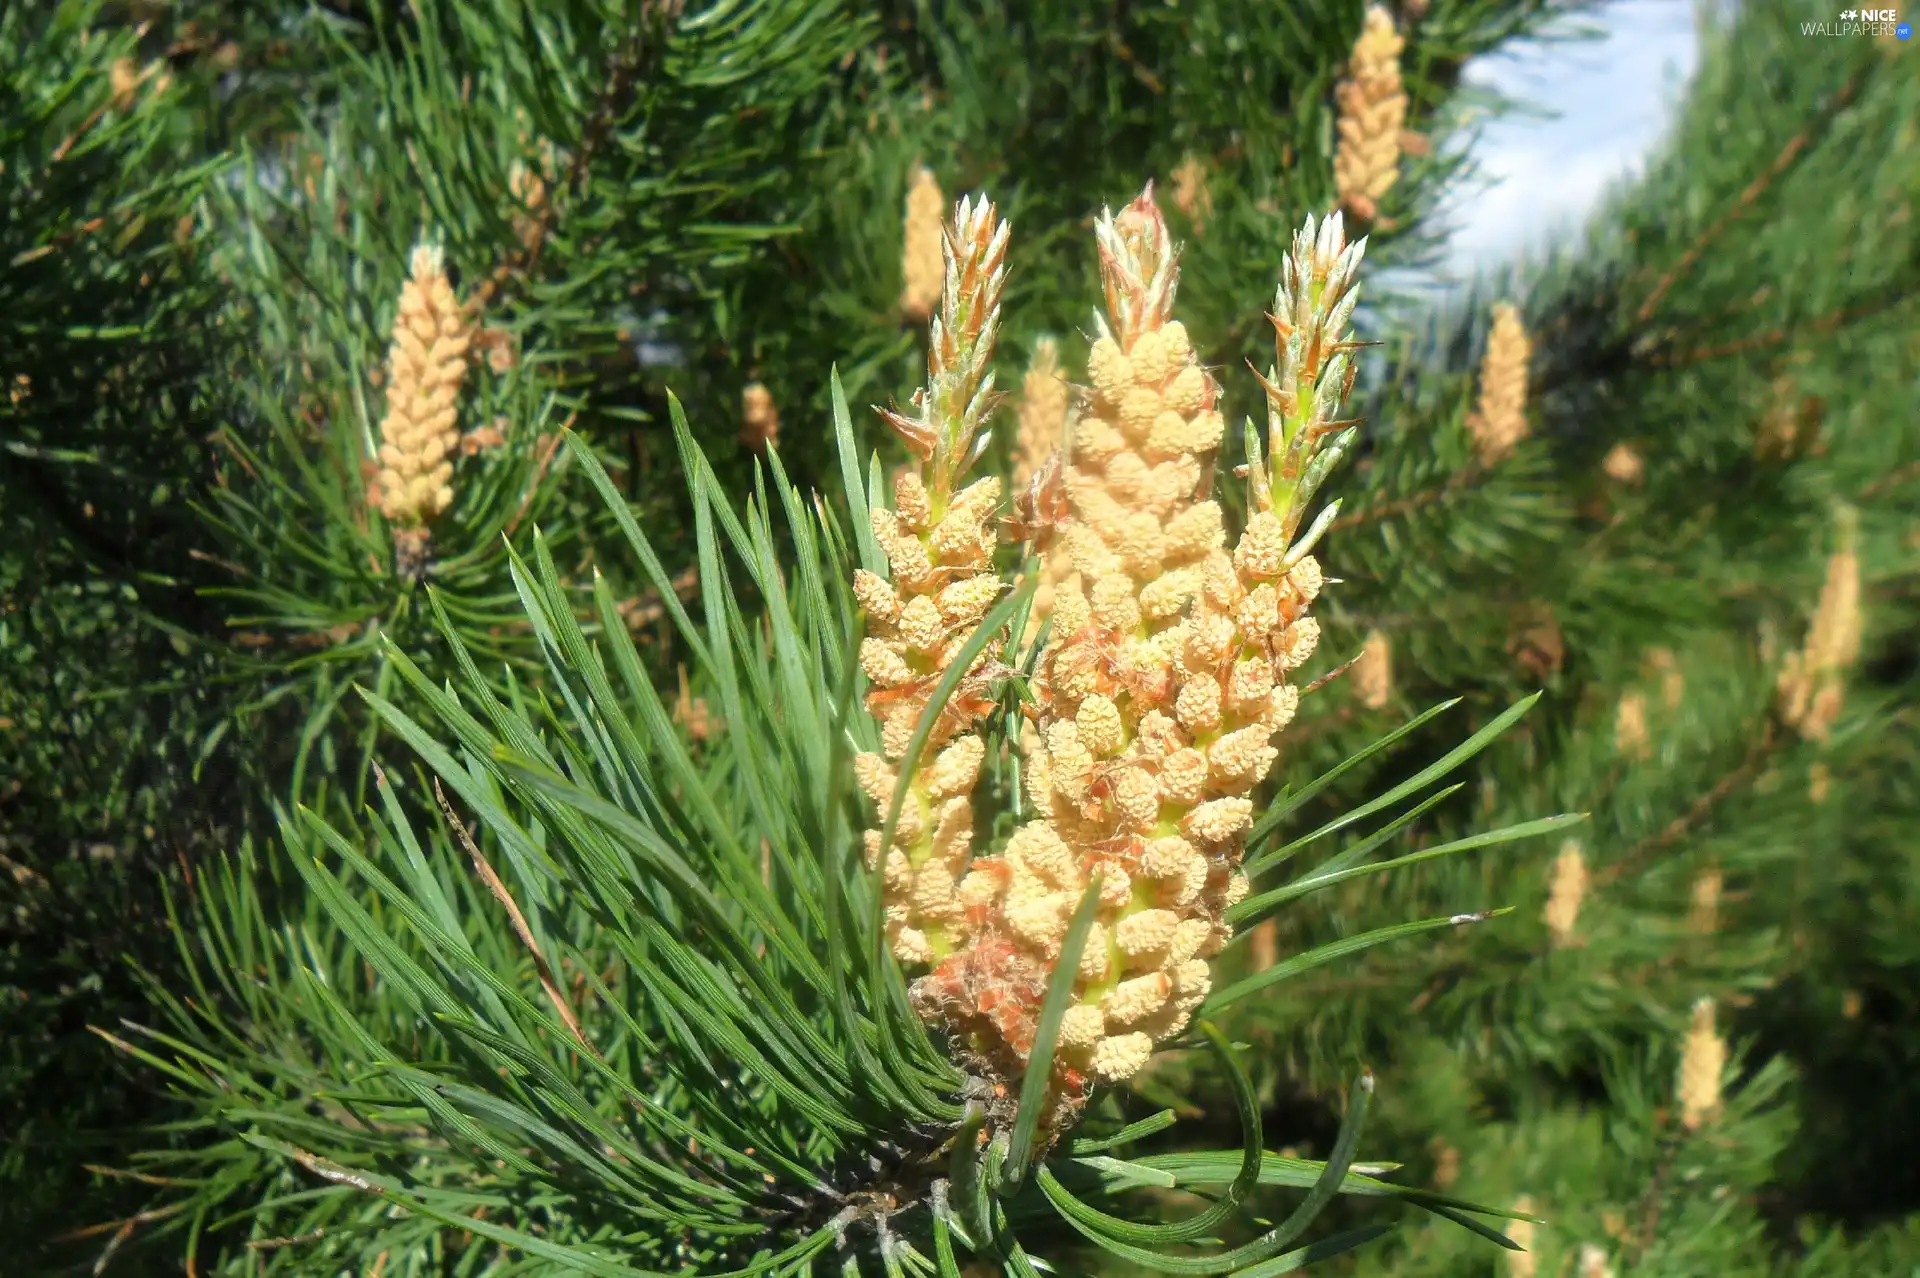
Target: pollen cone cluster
x: 1702, y: 1062
x: 1373, y: 107
x: 425, y: 367
x: 1704, y: 914
x: 1045, y: 402
x: 1522, y: 1263
x: 759, y: 418
x: 1624, y: 465
x: 921, y: 254
x: 124, y: 75
x: 939, y: 546
x: 1791, y: 423
x: 1630, y: 726
x: 1812, y: 683
x: 1372, y: 675
x: 1042, y: 412
x: 1499, y: 420
x: 1190, y: 192
x: 1565, y: 896
x: 1165, y: 678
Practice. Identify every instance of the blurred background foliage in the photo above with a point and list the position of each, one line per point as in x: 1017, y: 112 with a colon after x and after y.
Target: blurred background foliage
x: 206, y: 212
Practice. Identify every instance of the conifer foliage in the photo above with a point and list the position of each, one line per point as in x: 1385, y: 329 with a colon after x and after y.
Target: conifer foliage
x: 105, y: 303
x: 618, y: 810
x: 445, y: 270
x: 652, y: 1016
x: 1635, y: 475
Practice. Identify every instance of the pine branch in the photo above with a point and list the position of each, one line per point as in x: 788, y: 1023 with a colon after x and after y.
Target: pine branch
x: 1463, y: 479
x: 500, y: 894
x: 1651, y: 1202
x: 623, y: 69
x: 1701, y: 807
x: 1892, y: 479
x: 1895, y: 296
x: 1782, y: 162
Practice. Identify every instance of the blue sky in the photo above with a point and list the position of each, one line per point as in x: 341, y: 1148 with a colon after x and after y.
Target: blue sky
x: 1609, y: 102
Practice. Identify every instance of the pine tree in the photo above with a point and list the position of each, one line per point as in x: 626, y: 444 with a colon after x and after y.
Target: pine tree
x: 690, y: 1044
x: 1648, y: 480
x: 448, y: 269
x: 269, y: 1012
x: 1665, y: 476
x: 104, y: 706
x: 198, y: 556
x: 171, y: 649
